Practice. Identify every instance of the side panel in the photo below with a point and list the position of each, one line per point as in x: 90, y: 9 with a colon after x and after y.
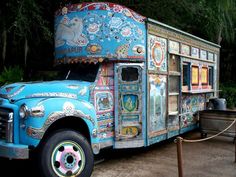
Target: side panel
x: 130, y: 106
x: 157, y: 89
x: 102, y: 97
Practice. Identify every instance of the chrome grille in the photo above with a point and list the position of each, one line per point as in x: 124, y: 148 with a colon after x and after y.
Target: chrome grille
x: 6, y: 124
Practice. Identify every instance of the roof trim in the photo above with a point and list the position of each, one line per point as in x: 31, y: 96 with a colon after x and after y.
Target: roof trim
x: 182, y: 32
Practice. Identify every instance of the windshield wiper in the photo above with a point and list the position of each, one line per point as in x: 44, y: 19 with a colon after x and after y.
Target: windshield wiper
x: 67, y: 75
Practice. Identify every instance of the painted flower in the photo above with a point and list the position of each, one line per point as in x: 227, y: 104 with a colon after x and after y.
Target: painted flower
x: 115, y: 22
x: 64, y: 11
x: 126, y: 31
x: 93, y: 28
x: 140, y: 32
x: 68, y: 108
x: 117, y: 8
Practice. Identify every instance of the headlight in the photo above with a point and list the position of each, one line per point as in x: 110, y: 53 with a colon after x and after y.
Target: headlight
x: 23, y: 112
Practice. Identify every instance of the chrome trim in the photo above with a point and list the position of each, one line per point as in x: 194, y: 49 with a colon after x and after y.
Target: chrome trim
x: 37, y: 111
x: 9, y: 128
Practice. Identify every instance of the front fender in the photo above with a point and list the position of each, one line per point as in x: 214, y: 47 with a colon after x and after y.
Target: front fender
x: 54, y: 109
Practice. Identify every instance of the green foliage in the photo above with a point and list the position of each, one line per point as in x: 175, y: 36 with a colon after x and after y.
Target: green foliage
x: 26, y: 27
x: 229, y: 93
x: 11, y: 75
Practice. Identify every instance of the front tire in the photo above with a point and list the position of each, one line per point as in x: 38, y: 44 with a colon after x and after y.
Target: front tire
x: 66, y: 153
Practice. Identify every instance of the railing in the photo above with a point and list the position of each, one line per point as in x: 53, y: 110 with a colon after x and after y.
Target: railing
x: 179, y: 142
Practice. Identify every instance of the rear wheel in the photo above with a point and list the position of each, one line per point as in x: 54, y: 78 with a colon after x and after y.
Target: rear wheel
x: 66, y: 153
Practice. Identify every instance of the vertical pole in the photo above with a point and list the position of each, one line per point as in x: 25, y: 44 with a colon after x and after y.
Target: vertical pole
x: 235, y: 143
x: 179, y: 141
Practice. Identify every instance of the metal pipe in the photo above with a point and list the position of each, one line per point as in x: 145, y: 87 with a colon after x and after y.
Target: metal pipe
x: 179, y: 141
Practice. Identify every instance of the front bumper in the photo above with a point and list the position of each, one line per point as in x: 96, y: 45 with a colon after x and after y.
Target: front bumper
x: 13, y: 151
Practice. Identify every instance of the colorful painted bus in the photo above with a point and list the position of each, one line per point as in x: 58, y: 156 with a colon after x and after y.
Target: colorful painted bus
x: 125, y: 81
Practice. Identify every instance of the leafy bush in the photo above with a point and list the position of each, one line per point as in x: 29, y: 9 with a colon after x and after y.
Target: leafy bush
x: 11, y: 75
x: 229, y: 93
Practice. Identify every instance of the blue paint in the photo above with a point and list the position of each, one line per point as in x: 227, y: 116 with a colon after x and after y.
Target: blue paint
x: 171, y: 134
x: 67, y: 88
x: 157, y: 139
x: 99, y: 30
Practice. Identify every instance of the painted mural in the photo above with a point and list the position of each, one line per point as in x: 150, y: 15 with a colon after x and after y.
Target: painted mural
x: 210, y: 56
x: 174, y: 47
x: 185, y: 49
x: 157, y: 105
x: 194, y: 52
x: 99, y: 30
x: 190, y: 105
x: 173, y: 122
x: 157, y: 55
x: 102, y: 98
x: 203, y: 54
x: 130, y: 103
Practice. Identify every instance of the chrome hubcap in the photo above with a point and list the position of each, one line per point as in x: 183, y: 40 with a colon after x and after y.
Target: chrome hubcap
x: 68, y: 159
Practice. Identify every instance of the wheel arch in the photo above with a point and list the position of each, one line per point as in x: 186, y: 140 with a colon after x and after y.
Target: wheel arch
x: 72, y: 123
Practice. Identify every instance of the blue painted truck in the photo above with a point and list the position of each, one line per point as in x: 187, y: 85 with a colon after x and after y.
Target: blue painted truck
x: 128, y: 81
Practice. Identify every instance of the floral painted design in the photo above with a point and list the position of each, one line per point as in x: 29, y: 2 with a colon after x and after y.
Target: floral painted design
x: 126, y: 31
x: 93, y: 28
x: 101, y: 29
x: 115, y: 22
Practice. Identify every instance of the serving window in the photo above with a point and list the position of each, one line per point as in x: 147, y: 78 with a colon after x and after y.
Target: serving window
x: 186, y: 77
x: 204, y: 76
x: 210, y: 74
x: 195, y: 75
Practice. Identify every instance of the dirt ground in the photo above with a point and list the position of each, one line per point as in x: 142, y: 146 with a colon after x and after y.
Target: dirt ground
x: 213, y: 158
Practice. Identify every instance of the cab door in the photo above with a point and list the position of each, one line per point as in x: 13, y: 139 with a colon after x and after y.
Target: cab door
x: 129, y: 105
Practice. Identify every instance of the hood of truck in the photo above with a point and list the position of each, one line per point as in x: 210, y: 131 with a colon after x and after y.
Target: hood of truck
x: 66, y: 88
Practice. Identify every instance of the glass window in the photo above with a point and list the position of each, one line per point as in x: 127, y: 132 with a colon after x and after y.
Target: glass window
x: 129, y: 74
x: 186, y: 74
x: 210, y: 72
x: 79, y: 71
x: 186, y: 77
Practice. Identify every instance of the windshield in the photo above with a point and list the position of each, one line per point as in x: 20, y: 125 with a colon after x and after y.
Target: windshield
x: 83, y: 72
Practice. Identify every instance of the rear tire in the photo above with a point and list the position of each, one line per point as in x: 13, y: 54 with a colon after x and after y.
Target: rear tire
x: 66, y: 153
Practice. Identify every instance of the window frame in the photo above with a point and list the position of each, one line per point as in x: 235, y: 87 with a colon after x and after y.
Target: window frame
x: 187, y: 64
x: 211, y: 77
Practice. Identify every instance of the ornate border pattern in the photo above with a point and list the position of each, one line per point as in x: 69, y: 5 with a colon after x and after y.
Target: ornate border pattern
x: 38, y: 133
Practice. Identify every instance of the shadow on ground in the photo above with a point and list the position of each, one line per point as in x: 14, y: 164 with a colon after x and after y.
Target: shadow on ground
x: 15, y: 168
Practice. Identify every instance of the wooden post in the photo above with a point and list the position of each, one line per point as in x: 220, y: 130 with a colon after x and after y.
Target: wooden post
x: 179, y: 141
x: 235, y: 143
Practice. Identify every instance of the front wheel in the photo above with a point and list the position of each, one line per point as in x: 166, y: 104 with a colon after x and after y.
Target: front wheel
x: 66, y: 153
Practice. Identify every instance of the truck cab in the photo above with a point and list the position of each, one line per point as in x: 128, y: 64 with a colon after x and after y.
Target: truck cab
x: 126, y: 81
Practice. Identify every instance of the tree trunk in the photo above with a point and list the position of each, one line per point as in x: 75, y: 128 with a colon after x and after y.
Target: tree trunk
x: 219, y: 37
x: 4, y: 47
x: 26, y: 51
